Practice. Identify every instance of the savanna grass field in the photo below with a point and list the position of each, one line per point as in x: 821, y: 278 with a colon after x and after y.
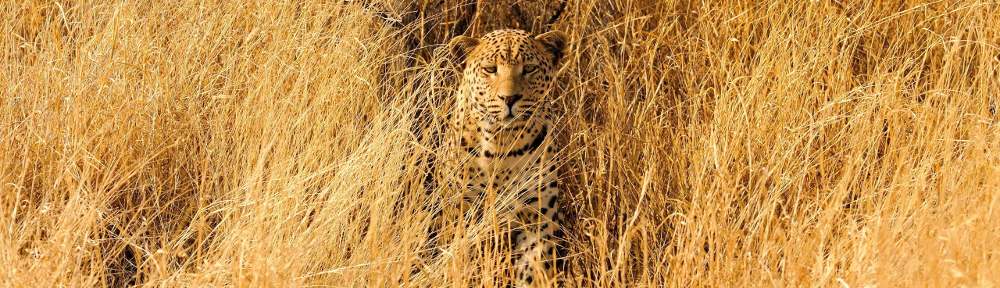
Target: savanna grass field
x: 705, y: 143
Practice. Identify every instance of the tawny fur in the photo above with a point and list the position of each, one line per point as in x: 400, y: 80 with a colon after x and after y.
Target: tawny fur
x: 502, y: 128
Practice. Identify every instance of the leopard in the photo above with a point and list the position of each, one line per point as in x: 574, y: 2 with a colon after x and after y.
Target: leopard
x: 503, y: 129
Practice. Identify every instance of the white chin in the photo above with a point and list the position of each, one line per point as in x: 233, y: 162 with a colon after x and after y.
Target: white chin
x: 508, y: 119
x: 494, y: 122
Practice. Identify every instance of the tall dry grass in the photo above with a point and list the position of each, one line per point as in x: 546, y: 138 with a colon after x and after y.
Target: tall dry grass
x: 726, y: 143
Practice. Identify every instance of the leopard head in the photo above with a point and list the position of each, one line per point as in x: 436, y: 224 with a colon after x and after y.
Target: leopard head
x: 507, y: 74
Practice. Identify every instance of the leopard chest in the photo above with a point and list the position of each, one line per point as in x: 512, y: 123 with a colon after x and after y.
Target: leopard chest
x: 511, y: 169
x: 511, y: 178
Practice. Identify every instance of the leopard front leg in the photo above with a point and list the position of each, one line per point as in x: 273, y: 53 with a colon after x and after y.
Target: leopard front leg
x: 537, y: 240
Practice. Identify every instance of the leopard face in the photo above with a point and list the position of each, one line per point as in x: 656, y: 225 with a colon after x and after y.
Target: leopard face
x: 506, y: 75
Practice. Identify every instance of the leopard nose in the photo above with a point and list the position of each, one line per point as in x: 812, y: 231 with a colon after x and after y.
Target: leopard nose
x: 510, y: 100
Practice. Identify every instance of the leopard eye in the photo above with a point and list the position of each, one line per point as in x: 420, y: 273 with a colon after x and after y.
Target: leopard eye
x: 529, y: 68
x: 490, y: 69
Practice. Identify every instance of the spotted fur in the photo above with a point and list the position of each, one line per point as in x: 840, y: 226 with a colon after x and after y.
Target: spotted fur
x: 503, y: 128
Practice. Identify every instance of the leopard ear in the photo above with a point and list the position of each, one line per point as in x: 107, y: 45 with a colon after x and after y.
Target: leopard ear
x: 460, y: 46
x: 555, y: 42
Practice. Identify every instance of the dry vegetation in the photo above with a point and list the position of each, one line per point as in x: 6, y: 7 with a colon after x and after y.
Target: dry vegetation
x: 724, y: 143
